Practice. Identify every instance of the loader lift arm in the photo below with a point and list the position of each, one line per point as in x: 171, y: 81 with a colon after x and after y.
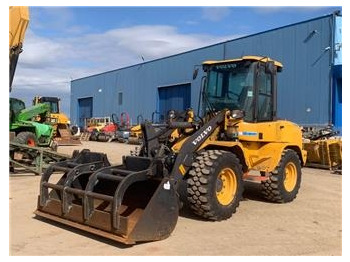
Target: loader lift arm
x: 184, y: 158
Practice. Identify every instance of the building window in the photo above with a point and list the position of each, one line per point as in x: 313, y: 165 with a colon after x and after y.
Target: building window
x: 120, y: 98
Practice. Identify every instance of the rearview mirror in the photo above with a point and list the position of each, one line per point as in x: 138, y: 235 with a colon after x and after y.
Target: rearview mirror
x: 270, y: 67
x: 195, y: 73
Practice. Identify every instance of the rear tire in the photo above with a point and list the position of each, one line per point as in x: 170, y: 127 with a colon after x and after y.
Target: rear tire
x: 215, y: 185
x: 74, y: 130
x: 26, y: 138
x: 94, y: 135
x: 284, y: 182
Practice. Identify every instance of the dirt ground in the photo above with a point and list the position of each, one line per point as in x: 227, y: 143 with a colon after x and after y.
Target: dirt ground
x: 310, y: 225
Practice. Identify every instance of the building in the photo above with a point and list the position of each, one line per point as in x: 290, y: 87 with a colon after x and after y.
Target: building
x: 309, y: 88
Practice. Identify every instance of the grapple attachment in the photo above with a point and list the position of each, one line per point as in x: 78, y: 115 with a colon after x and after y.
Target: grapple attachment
x: 126, y: 203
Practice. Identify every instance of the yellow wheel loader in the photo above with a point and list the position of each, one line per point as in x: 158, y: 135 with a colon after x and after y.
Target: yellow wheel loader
x: 198, y: 162
x: 59, y: 121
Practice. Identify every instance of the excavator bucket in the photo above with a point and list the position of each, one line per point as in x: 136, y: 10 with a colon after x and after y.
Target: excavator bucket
x: 64, y: 136
x: 125, y: 203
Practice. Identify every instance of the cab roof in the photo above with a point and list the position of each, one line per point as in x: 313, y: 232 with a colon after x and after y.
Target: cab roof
x: 254, y: 58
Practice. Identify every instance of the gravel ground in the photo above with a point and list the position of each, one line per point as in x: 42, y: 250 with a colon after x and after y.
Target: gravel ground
x: 310, y: 225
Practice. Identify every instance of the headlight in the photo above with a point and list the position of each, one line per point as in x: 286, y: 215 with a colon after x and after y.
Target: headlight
x: 171, y: 114
x: 237, y: 114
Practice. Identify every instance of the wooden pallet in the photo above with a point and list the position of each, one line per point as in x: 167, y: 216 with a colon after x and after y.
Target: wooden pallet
x: 85, y: 136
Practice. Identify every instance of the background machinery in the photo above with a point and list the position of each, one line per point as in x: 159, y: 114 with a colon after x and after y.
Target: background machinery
x: 324, y: 148
x: 93, y: 126
x: 59, y: 121
x: 123, y: 132
x: 28, y: 125
x: 23, y: 125
x: 31, y: 143
x: 135, y: 136
x: 30, y: 133
x: 107, y: 133
x: 20, y: 125
x: 198, y: 162
x: 96, y: 123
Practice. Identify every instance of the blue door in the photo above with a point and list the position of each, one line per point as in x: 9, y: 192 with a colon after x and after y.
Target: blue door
x: 177, y: 97
x: 84, y: 110
x: 337, y: 97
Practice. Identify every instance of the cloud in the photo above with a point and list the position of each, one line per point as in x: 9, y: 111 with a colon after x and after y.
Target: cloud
x: 287, y: 9
x: 49, y: 63
x: 215, y: 14
x: 192, y: 22
x: 157, y: 41
x: 40, y: 52
x: 55, y: 18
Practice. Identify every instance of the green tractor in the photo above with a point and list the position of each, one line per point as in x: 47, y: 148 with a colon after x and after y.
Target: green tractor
x: 30, y: 126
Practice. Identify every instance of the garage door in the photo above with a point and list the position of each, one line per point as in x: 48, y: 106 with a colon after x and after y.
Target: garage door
x: 337, y: 98
x: 84, y: 110
x: 176, y: 97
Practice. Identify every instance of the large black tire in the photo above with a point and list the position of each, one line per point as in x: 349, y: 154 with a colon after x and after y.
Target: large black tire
x: 284, y: 182
x: 214, y: 186
x: 26, y: 138
x: 94, y: 135
x: 74, y: 130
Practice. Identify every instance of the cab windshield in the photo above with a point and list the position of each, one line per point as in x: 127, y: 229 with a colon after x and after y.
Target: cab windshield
x: 230, y: 86
x: 16, y: 105
x: 53, y: 106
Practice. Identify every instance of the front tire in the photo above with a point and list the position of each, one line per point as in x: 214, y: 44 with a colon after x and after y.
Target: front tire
x: 284, y: 183
x: 214, y: 186
x: 26, y: 138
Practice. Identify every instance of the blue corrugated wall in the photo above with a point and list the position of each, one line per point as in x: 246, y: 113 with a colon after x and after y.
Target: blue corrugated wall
x: 304, y: 94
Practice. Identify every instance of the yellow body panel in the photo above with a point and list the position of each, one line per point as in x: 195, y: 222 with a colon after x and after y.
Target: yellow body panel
x: 263, y: 143
x: 19, y: 19
x: 136, y: 131
x: 61, y: 118
x: 97, y: 123
x: 275, y: 131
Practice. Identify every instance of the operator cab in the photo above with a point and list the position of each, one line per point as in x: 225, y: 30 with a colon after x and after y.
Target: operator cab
x: 16, y: 106
x: 53, y: 102
x: 247, y: 84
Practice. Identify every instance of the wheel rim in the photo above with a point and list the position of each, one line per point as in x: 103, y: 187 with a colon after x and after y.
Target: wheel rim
x: 30, y: 142
x: 290, y: 179
x: 226, y: 186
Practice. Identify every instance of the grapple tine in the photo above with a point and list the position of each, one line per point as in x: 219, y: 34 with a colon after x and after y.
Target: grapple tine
x: 124, y: 203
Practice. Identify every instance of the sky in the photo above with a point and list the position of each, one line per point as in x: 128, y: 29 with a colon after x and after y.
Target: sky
x: 66, y: 43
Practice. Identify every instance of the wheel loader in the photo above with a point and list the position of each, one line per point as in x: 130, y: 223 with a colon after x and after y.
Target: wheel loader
x: 200, y: 162
x: 59, y: 121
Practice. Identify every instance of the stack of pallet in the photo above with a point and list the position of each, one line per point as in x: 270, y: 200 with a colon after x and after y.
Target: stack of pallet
x: 85, y: 136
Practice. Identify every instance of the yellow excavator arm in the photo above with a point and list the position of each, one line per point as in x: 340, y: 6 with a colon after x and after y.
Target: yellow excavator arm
x: 19, y: 19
